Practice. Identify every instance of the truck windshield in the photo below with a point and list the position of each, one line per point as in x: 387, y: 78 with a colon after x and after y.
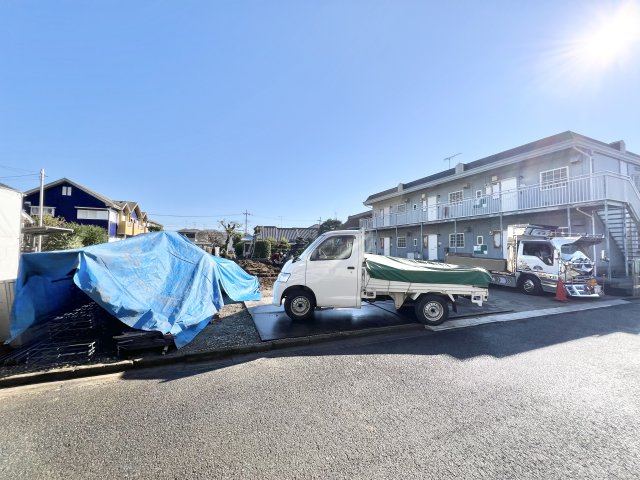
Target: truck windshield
x: 310, y: 248
x: 571, y: 248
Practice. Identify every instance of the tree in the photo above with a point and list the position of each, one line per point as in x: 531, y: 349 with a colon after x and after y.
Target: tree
x: 90, y: 234
x: 329, y: 225
x: 80, y: 236
x: 283, y: 246
x: 229, y: 229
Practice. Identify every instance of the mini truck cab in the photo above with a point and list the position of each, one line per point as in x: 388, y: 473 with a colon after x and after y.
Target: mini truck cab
x: 331, y: 273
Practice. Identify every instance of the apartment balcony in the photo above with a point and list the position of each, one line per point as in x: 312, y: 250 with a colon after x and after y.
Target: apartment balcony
x: 139, y: 228
x: 575, y: 192
x: 125, y: 228
x: 131, y: 228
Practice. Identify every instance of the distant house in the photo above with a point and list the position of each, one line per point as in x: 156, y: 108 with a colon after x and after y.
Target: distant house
x: 76, y: 203
x: 205, y: 239
x: 353, y: 221
x: 290, y: 234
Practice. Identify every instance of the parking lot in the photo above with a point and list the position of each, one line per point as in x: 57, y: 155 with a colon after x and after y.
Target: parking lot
x: 504, y: 304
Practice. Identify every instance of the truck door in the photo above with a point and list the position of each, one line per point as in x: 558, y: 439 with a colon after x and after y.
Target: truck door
x: 333, y: 272
x: 538, y: 257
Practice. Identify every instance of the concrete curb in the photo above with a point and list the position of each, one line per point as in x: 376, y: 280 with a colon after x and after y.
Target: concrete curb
x: 140, y: 363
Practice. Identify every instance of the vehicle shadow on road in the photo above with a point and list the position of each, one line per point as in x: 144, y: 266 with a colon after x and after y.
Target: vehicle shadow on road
x: 498, y: 340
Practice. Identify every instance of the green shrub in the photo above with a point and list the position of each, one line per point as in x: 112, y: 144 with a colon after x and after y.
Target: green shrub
x: 262, y: 249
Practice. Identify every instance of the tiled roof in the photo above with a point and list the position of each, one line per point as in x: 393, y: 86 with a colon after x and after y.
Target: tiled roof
x: 290, y: 234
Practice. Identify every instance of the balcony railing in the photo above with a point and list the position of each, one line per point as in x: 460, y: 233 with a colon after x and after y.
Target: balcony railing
x: 576, y: 191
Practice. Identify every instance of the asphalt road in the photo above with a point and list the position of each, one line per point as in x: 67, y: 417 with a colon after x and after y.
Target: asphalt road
x: 549, y: 397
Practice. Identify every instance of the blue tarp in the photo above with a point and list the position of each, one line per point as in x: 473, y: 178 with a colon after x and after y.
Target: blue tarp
x: 157, y: 281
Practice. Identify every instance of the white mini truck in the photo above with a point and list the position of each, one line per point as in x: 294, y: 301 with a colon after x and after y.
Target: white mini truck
x: 334, y: 272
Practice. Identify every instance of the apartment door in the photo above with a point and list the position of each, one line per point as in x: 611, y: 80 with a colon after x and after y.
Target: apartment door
x: 386, y: 245
x: 509, y: 194
x: 433, y: 246
x: 432, y: 209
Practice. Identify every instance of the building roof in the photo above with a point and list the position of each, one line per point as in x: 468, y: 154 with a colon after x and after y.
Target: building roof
x: 290, y: 234
x: 529, y: 147
x: 2, y: 185
x: 116, y: 204
x: 353, y: 221
x: 106, y: 200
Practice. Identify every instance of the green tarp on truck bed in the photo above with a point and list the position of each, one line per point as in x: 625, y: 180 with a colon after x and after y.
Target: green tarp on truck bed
x: 419, y: 271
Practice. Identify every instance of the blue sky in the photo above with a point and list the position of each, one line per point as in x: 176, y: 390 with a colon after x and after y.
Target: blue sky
x: 294, y: 111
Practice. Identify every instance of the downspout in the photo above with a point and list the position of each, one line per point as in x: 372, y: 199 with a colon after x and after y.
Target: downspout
x: 455, y: 235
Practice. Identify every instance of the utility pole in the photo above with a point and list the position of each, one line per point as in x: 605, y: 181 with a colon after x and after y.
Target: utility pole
x: 448, y: 159
x: 246, y: 214
x: 41, y: 210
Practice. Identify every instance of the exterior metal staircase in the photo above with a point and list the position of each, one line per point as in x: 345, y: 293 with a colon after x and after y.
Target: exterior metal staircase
x: 624, y: 230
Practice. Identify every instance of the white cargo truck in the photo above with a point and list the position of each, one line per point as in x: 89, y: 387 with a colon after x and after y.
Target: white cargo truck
x: 538, y: 256
x: 335, y: 272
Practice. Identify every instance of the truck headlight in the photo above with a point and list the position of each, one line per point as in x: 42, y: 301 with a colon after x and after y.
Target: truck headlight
x: 283, y: 277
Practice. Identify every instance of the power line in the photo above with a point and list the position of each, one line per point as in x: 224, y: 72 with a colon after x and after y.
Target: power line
x: 196, y: 216
x: 19, y: 176
x: 19, y: 169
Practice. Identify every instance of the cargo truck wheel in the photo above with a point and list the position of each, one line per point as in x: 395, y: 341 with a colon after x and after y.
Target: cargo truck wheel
x: 432, y: 310
x: 531, y: 285
x: 299, y: 305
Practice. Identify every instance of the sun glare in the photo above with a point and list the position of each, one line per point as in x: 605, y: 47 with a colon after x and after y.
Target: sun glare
x: 611, y: 38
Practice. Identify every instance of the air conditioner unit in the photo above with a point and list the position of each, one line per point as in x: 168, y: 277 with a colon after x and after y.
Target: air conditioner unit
x: 494, y: 178
x: 466, y: 185
x: 575, y: 159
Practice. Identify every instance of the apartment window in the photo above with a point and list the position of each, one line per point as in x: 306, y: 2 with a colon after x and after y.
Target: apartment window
x: 456, y: 240
x: 479, y: 240
x: 66, y: 191
x: 415, y: 242
x: 415, y: 206
x: 402, y: 208
x: 92, y: 214
x: 554, y: 178
x: 402, y: 242
x: 455, y: 197
x: 35, y: 210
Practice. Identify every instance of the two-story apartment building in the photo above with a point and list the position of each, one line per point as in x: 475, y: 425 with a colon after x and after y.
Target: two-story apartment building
x: 76, y: 203
x: 577, y: 183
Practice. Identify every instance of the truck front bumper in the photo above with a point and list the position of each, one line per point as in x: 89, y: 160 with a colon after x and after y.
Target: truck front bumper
x: 278, y: 288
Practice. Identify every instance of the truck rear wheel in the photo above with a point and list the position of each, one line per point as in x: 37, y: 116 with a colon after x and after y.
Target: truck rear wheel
x: 432, y: 310
x: 531, y: 285
x: 299, y: 305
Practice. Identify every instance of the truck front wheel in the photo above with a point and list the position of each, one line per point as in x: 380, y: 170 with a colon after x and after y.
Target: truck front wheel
x: 531, y: 285
x: 299, y: 305
x: 432, y: 310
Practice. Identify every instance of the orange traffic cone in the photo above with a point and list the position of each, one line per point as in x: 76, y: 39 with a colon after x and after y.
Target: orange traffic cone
x: 561, y: 293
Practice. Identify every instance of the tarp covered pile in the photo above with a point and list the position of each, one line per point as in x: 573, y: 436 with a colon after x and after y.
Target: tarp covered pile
x: 420, y: 271
x: 155, y: 282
